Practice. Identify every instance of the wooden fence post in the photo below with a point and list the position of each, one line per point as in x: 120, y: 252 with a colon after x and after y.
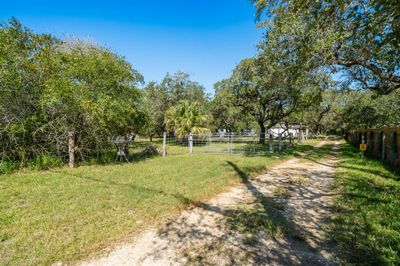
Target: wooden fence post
x: 271, y: 142
x: 383, y: 145
x: 209, y: 136
x: 280, y: 142
x: 254, y: 143
x: 71, y: 147
x: 190, y: 143
x: 231, y: 142
x: 164, y: 144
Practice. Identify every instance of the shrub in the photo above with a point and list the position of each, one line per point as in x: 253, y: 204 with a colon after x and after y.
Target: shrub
x: 7, y: 167
x: 44, y: 162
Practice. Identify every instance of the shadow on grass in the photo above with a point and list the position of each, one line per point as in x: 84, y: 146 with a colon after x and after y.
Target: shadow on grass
x: 277, y: 223
x: 244, y: 229
x: 292, y: 150
x: 349, y: 163
x: 367, y: 212
x: 264, y: 218
x: 137, y: 153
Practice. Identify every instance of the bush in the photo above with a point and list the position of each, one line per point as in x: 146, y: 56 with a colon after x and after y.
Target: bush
x: 44, y: 162
x: 7, y: 167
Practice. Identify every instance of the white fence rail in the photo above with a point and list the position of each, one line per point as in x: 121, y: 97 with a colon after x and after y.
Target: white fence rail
x: 226, y: 143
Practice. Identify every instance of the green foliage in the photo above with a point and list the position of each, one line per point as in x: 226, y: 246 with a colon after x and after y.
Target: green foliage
x: 94, y: 93
x: 186, y: 118
x: 7, y: 167
x: 225, y: 114
x: 358, y: 37
x: 155, y: 104
x: 49, y: 87
x: 365, y: 110
x: 23, y: 57
x: 360, y: 109
x: 161, y: 97
x: 272, y: 85
x: 180, y: 87
x: 44, y: 162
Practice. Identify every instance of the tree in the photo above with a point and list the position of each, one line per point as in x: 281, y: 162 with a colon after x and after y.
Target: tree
x: 180, y: 87
x: 24, y: 57
x: 92, y: 96
x: 357, y: 37
x: 185, y: 118
x: 158, y: 98
x: 271, y: 86
x: 62, y: 98
x: 155, y: 104
x: 225, y: 114
x: 365, y: 110
x: 317, y: 103
x: 314, y: 115
x: 261, y: 91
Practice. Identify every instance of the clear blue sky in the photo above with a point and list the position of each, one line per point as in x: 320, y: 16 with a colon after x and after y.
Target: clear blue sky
x: 206, y: 38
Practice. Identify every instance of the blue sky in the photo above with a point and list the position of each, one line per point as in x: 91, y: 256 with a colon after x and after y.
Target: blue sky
x: 206, y: 38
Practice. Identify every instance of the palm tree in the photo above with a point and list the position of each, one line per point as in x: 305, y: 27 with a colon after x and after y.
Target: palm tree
x: 186, y: 118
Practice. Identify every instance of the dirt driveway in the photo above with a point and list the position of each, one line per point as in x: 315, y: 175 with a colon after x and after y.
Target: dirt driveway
x: 279, y: 218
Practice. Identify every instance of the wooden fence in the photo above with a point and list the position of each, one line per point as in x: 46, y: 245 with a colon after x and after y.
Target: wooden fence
x: 382, y: 142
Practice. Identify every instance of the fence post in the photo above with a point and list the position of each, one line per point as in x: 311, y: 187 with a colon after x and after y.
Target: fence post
x: 299, y: 136
x: 280, y: 142
x: 209, y: 141
x: 164, y: 144
x: 290, y: 138
x: 271, y: 144
x: 383, y: 145
x: 190, y: 143
x: 301, y: 133
x: 306, y: 133
x: 362, y: 142
x: 254, y: 143
x: 231, y: 141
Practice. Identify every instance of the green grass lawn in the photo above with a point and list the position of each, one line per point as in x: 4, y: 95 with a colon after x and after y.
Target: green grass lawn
x: 65, y: 214
x: 367, y: 217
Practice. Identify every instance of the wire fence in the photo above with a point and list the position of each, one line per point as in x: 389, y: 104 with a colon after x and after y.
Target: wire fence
x: 226, y: 143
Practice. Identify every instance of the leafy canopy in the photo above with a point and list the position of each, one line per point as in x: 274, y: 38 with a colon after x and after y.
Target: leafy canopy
x: 186, y: 117
x: 359, y: 38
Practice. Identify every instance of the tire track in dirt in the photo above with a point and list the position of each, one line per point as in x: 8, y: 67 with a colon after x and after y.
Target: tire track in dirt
x: 278, y: 218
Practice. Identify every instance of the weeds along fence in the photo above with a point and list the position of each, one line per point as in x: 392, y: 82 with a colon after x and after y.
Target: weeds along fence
x: 383, y: 142
x: 226, y: 143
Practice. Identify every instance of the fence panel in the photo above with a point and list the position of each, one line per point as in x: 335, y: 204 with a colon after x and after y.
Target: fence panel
x: 382, y: 142
x: 225, y: 143
x: 176, y: 145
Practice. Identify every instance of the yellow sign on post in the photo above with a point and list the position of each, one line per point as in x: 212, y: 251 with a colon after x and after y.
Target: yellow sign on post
x: 363, y: 147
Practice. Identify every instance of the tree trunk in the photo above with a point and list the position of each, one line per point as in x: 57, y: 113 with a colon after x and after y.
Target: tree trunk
x: 262, y: 133
x: 71, y: 147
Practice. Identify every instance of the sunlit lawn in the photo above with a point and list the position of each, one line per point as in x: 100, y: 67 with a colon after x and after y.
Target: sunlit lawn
x: 367, y: 218
x: 65, y: 214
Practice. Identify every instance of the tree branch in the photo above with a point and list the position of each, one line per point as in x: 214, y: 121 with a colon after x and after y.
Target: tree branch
x: 392, y: 80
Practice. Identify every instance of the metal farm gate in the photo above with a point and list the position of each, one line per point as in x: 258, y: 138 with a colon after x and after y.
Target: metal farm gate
x: 226, y: 143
